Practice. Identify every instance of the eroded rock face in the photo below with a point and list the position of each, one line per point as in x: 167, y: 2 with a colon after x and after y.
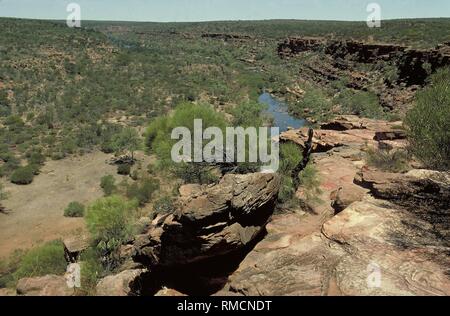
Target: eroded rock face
x: 212, y: 222
x: 397, y: 249
x: 347, y: 130
x: 49, y: 285
x: 389, y: 237
x: 125, y: 283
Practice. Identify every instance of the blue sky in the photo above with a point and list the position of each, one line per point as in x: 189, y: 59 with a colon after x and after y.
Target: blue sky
x: 207, y: 10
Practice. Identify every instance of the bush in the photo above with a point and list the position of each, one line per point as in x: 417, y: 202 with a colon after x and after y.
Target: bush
x: 315, y: 101
x: 310, y: 182
x: 124, y: 169
x: 390, y: 161
x: 108, y: 184
x: 361, y: 103
x: 291, y: 155
x: 428, y: 123
x: 23, y: 175
x: 46, y: 259
x: 142, y: 192
x: 36, y: 158
x: 158, y: 138
x: 164, y: 205
x: 74, y: 209
x: 109, y: 220
x: 91, y: 271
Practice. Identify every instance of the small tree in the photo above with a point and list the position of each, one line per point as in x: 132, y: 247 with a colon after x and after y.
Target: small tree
x: 108, y: 184
x: 127, y: 140
x: 428, y: 123
x: 109, y: 220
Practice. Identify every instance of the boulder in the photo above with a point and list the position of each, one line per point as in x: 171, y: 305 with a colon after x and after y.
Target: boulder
x: 222, y: 219
x: 169, y: 292
x: 49, y: 285
x: 74, y: 245
x: 125, y: 283
x: 346, y: 195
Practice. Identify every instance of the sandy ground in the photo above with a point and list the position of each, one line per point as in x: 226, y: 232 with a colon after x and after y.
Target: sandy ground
x: 37, y: 209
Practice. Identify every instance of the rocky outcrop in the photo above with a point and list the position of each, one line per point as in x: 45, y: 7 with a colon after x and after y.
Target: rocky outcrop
x: 347, y: 130
x: 425, y: 193
x: 410, y: 62
x: 49, y: 285
x: 212, y: 222
x: 126, y: 283
x: 388, y: 251
x: 403, y: 70
x: 389, y: 237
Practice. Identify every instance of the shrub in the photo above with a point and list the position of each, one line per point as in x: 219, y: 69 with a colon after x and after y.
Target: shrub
x: 23, y: 175
x: 108, y: 184
x: 310, y: 182
x: 390, y: 161
x: 74, y: 209
x: 315, y: 101
x: 361, y: 103
x: 91, y: 271
x: 36, y: 158
x: 164, y: 205
x: 428, y: 123
x: 46, y: 259
x: 124, y: 169
x: 142, y: 192
x: 160, y: 142
x: 109, y: 220
x: 291, y: 155
x: 248, y: 114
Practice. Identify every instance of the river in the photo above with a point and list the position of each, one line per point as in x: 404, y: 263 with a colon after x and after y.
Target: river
x: 279, y: 111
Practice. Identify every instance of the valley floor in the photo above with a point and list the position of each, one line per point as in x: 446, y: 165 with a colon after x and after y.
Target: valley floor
x: 36, y: 210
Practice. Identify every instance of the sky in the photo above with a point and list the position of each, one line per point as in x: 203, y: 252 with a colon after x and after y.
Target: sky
x: 212, y: 10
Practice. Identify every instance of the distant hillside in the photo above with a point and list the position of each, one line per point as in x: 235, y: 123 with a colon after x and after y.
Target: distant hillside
x: 414, y: 32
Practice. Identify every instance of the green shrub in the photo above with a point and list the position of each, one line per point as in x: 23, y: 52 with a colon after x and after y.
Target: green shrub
x: 142, y: 192
x: 287, y: 190
x: 109, y: 220
x: 46, y: 259
x: 124, y: 169
x: 309, y: 181
x: 108, y: 184
x: 428, y: 123
x: 290, y: 156
x: 361, y: 103
x: 248, y: 114
x: 36, y: 158
x: 23, y: 175
x: 74, y: 209
x: 91, y: 271
x: 315, y: 101
x: 158, y: 138
x: 385, y: 160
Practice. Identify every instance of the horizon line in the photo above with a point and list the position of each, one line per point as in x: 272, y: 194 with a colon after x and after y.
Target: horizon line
x: 209, y: 21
